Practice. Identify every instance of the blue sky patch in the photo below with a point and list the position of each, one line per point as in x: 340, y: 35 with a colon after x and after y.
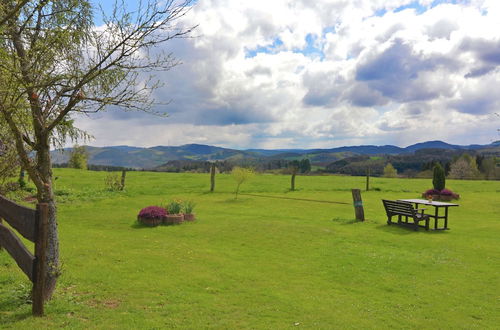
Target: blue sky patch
x: 269, y: 49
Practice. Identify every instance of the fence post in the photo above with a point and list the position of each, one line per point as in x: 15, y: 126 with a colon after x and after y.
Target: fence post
x: 358, y: 205
x: 122, y: 184
x: 212, y: 177
x: 368, y: 179
x: 42, y: 214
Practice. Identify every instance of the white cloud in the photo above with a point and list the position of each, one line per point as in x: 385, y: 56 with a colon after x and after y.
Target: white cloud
x: 325, y: 73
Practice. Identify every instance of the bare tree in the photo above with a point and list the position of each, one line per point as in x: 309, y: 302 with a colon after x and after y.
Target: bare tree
x: 55, y: 62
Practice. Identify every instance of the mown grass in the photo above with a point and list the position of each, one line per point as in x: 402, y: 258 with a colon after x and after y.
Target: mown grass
x: 261, y: 262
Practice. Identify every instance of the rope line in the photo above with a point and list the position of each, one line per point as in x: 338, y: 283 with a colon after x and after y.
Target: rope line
x: 297, y: 199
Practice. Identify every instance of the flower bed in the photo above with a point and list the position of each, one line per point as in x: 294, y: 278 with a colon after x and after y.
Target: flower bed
x: 443, y: 195
x: 152, y: 215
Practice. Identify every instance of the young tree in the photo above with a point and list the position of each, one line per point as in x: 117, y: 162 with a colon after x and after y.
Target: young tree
x: 464, y: 167
x: 390, y: 171
x: 240, y: 175
x: 55, y: 62
x: 78, y: 158
x: 439, y: 179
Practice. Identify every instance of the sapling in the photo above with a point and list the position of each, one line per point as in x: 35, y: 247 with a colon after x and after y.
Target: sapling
x: 240, y: 175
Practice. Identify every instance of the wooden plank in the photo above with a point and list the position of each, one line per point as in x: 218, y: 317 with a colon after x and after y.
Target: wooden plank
x: 42, y: 212
x: 17, y: 250
x: 19, y: 217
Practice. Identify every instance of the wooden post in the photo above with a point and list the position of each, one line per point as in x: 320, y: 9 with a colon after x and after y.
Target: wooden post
x: 212, y: 177
x: 42, y: 215
x: 368, y: 179
x: 0, y: 244
x: 122, y: 184
x: 358, y: 204
x: 292, y: 183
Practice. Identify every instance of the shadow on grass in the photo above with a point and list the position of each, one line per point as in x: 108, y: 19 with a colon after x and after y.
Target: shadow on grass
x: 232, y: 200
x: 404, y: 230
x: 12, y: 306
x: 138, y: 225
x: 343, y: 221
x: 7, y: 317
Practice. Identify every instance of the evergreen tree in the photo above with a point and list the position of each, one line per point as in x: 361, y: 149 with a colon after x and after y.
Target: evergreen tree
x: 438, y: 180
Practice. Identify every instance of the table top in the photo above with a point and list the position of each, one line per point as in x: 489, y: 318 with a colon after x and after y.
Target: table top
x: 426, y: 202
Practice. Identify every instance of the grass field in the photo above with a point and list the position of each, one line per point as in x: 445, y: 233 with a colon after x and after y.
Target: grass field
x: 264, y: 263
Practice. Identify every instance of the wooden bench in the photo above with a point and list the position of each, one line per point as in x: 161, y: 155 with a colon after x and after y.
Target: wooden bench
x: 406, y: 210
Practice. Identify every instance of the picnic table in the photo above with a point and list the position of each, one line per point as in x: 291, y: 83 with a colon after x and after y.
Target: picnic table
x: 437, y: 205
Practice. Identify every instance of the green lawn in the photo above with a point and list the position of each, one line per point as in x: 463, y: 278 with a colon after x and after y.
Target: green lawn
x: 264, y: 263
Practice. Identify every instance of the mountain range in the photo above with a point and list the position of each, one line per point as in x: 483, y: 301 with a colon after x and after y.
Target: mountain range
x: 148, y: 158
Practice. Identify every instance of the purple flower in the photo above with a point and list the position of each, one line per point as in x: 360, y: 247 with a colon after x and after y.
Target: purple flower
x: 432, y: 192
x: 153, y: 212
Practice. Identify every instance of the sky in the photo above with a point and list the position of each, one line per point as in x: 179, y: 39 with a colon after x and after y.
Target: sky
x: 278, y: 74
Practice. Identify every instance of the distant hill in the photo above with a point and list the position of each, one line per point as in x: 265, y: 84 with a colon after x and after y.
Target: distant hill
x: 148, y: 158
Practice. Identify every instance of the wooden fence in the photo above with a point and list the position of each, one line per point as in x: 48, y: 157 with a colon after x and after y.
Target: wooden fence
x: 32, y: 225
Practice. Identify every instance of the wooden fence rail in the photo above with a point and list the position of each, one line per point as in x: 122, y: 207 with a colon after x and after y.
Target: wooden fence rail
x: 32, y: 225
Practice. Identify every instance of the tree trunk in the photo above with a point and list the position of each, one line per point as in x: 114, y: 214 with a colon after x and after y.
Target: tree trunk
x: 237, y: 190
x: 46, y: 195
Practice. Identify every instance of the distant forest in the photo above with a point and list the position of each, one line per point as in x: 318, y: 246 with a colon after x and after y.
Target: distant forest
x: 461, y: 164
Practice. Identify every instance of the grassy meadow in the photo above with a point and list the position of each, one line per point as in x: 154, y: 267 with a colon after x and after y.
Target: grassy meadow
x: 261, y: 262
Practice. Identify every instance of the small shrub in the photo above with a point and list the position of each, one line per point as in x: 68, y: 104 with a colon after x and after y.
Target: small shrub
x: 174, y: 207
x: 112, y: 182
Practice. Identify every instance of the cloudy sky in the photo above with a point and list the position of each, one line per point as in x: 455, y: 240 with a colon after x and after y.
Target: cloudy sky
x: 324, y: 73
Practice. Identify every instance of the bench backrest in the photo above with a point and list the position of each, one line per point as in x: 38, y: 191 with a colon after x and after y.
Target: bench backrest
x: 399, y: 207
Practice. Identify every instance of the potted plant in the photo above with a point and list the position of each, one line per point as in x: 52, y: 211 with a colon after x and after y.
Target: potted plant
x: 152, y: 215
x: 174, y: 215
x: 188, y: 207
